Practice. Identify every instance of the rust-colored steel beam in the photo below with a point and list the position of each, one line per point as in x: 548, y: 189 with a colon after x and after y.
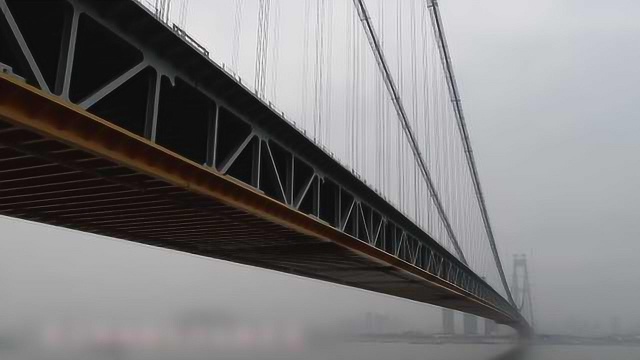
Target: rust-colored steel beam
x: 184, y: 187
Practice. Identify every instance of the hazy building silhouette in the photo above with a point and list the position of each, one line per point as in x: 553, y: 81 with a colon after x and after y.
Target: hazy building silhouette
x: 470, y: 324
x: 490, y: 327
x: 615, y: 326
x: 447, y: 321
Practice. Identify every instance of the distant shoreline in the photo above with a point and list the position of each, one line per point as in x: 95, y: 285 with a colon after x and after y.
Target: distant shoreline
x: 493, y: 340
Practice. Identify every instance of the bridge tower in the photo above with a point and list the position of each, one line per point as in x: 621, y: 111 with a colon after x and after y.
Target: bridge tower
x: 520, y: 286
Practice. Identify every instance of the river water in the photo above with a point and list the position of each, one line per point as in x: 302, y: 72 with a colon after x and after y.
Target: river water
x: 367, y: 351
x: 398, y: 351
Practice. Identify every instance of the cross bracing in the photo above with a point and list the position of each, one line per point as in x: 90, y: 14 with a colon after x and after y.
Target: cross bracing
x: 345, y: 162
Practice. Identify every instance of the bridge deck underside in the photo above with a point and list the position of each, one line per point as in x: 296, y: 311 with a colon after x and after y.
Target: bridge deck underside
x: 47, y: 180
x: 138, y: 135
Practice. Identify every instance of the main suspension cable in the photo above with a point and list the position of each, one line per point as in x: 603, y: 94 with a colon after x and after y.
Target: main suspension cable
x: 406, y: 126
x: 462, y: 127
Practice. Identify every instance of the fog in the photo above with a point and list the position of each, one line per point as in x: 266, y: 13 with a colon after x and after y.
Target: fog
x: 550, y: 94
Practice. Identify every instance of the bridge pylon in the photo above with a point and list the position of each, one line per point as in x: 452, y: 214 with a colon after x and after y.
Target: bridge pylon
x: 521, y: 287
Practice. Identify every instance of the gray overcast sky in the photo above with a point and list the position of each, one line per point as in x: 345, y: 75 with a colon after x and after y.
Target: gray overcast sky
x: 551, y: 97
x: 549, y: 90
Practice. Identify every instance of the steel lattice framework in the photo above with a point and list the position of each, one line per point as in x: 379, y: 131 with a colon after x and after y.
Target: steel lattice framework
x: 115, y: 123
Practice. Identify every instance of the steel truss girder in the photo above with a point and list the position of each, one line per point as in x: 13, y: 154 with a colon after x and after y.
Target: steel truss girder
x: 349, y: 209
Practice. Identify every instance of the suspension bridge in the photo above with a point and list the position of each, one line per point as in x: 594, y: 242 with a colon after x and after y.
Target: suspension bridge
x: 115, y: 120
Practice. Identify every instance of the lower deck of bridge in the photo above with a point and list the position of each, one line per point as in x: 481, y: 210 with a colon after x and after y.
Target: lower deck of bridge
x: 62, y: 166
x: 48, y: 181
